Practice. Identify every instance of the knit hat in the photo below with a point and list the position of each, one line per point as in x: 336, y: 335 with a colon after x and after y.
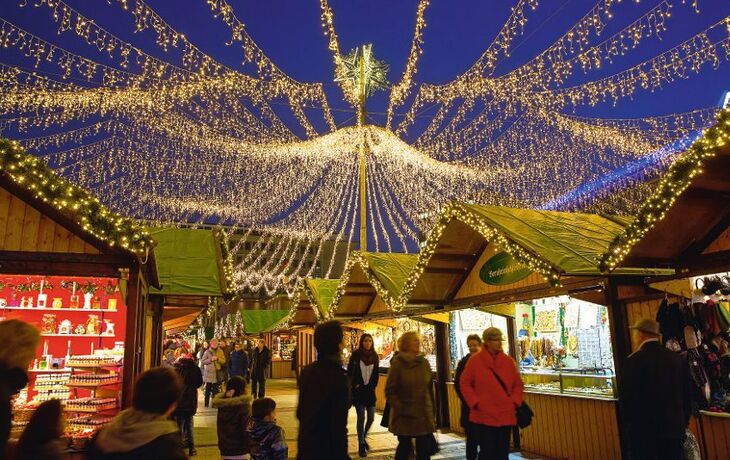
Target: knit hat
x: 18, y: 343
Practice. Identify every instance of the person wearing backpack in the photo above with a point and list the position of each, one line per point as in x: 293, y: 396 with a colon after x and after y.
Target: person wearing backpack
x: 492, y: 388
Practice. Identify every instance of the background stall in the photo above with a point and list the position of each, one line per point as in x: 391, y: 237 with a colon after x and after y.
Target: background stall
x: 190, y: 268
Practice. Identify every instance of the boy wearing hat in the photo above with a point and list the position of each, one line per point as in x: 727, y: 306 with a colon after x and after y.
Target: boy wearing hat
x: 655, y: 396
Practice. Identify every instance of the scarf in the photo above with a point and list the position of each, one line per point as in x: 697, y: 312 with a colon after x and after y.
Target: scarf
x: 369, y: 357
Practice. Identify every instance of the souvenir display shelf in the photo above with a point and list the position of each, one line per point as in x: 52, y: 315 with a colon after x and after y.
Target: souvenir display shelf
x: 282, y: 346
x: 564, y: 347
x: 571, y: 382
x: 80, y: 357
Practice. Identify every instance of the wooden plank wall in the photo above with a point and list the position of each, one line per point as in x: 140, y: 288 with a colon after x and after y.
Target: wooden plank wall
x: 644, y: 309
x: 454, y: 408
x: 305, y: 347
x: 380, y: 392
x: 566, y: 428
x: 716, y: 437
x: 23, y: 228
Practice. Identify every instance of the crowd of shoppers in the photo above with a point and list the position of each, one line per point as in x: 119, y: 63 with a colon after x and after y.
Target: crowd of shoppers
x: 654, y: 397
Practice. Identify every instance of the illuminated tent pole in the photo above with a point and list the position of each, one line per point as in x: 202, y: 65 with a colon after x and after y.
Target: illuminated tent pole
x: 363, y: 147
x: 364, y: 75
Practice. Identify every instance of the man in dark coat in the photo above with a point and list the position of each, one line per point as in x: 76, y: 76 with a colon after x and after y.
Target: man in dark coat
x: 260, y: 361
x: 187, y: 405
x: 324, y: 399
x: 474, y: 342
x: 655, y: 396
x: 238, y: 362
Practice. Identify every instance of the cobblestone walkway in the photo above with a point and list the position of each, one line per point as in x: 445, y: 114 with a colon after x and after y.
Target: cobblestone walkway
x: 284, y: 392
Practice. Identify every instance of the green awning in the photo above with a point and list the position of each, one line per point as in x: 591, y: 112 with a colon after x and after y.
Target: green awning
x: 323, y: 291
x: 392, y: 270
x: 187, y: 262
x: 257, y: 321
x: 571, y: 242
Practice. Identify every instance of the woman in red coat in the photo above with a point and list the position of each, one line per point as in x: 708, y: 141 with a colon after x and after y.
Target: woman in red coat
x: 492, y: 407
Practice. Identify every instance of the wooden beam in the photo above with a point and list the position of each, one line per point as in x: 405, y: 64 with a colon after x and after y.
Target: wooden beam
x: 68, y: 264
x: 721, y: 223
x: 446, y: 271
x: 451, y: 257
x: 705, y: 264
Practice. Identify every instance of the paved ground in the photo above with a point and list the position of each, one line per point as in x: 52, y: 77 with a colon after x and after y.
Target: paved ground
x: 284, y: 392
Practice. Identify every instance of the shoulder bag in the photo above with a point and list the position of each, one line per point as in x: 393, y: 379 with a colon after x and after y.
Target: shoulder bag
x: 523, y: 412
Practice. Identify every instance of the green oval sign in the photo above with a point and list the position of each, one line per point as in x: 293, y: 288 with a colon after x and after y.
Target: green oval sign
x: 503, y: 269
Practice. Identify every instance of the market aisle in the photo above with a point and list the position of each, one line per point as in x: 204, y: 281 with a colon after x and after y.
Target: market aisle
x: 284, y: 392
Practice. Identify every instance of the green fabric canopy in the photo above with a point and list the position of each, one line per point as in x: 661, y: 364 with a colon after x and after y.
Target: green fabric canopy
x: 392, y: 270
x: 187, y: 262
x: 256, y: 321
x: 323, y: 291
x: 571, y: 242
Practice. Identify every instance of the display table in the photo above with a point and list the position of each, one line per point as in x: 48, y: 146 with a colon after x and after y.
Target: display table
x: 454, y: 408
x: 715, y: 429
x: 568, y: 426
x: 281, y: 369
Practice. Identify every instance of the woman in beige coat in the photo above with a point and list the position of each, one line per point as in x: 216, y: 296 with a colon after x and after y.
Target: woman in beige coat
x: 409, y: 392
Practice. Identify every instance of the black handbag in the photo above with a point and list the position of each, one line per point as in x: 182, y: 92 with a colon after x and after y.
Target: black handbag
x: 523, y: 413
x: 385, y: 420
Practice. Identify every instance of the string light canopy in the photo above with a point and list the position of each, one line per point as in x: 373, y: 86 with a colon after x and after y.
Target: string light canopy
x: 159, y: 129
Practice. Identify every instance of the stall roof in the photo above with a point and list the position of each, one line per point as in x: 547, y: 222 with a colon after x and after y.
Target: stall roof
x: 570, y: 242
x: 322, y: 292
x: 370, y: 279
x: 187, y: 262
x: 258, y: 321
x: 681, y: 224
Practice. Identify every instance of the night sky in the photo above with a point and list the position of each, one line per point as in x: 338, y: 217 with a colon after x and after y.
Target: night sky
x: 290, y: 33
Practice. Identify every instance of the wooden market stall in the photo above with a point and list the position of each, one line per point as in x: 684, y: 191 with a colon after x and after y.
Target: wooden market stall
x: 190, y: 266
x: 311, y: 303
x: 684, y: 225
x: 506, y: 257
x: 82, y: 274
x: 371, y: 295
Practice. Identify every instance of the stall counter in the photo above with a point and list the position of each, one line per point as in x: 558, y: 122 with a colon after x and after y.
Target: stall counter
x: 281, y: 369
x: 564, y: 425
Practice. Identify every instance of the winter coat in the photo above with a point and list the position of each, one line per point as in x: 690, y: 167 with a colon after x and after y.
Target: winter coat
x: 52, y: 450
x: 192, y: 379
x: 409, y: 392
x: 655, y: 393
x: 267, y: 441
x: 324, y: 401
x: 260, y: 361
x: 137, y: 435
x: 234, y: 415
x: 238, y: 364
x: 362, y: 395
x: 464, y: 420
x: 210, y: 367
x: 11, y: 381
x: 488, y: 403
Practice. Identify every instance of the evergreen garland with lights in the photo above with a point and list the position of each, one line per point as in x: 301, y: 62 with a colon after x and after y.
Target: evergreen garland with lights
x: 677, y: 179
x: 86, y: 210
